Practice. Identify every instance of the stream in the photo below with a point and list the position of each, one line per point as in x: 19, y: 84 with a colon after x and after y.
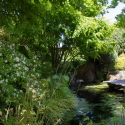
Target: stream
x: 100, y: 108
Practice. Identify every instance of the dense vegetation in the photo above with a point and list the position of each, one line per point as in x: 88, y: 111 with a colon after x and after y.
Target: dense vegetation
x: 38, y: 41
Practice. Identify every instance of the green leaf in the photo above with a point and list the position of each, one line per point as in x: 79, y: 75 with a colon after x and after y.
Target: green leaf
x: 66, y: 78
x: 58, y: 83
x: 80, y: 123
x: 32, y: 1
x: 115, y: 119
x: 55, y: 77
x: 123, y: 104
x: 49, y: 80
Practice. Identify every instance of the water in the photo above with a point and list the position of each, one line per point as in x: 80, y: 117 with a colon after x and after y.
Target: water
x: 101, y: 107
x: 98, y: 107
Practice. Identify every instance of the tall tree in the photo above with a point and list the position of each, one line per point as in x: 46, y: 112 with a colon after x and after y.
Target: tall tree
x: 120, y: 17
x: 119, y: 37
x: 55, y: 27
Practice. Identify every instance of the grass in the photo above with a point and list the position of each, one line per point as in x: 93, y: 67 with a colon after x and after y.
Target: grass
x: 97, y: 87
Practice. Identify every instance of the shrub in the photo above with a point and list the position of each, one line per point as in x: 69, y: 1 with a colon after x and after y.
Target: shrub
x: 120, y: 63
x: 25, y: 99
x: 104, y: 64
x: 45, y: 103
x: 14, y: 72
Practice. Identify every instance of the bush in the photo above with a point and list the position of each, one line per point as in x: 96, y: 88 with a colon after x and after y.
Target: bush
x: 120, y: 63
x: 25, y: 99
x: 45, y: 103
x: 15, y: 72
x: 104, y: 64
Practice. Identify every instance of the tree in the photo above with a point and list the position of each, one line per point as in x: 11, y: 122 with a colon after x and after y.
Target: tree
x: 120, y: 17
x: 94, y: 37
x: 118, y: 36
x: 46, y: 22
x: 47, y: 31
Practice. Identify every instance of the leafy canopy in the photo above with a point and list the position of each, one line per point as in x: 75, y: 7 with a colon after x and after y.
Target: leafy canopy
x: 41, y: 24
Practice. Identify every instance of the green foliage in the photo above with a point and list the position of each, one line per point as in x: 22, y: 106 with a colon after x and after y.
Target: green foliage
x: 31, y: 11
x: 118, y: 36
x: 120, y: 17
x: 93, y: 37
x: 109, y: 60
x: 45, y: 102
x: 120, y: 63
x: 104, y: 64
x: 114, y: 3
x: 35, y: 29
x: 15, y: 72
x: 39, y: 24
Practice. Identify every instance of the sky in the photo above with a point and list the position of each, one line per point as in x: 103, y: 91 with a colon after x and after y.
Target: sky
x: 113, y: 12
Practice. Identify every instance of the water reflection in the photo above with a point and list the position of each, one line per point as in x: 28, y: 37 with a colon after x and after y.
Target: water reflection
x: 101, y: 106
x: 97, y: 107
